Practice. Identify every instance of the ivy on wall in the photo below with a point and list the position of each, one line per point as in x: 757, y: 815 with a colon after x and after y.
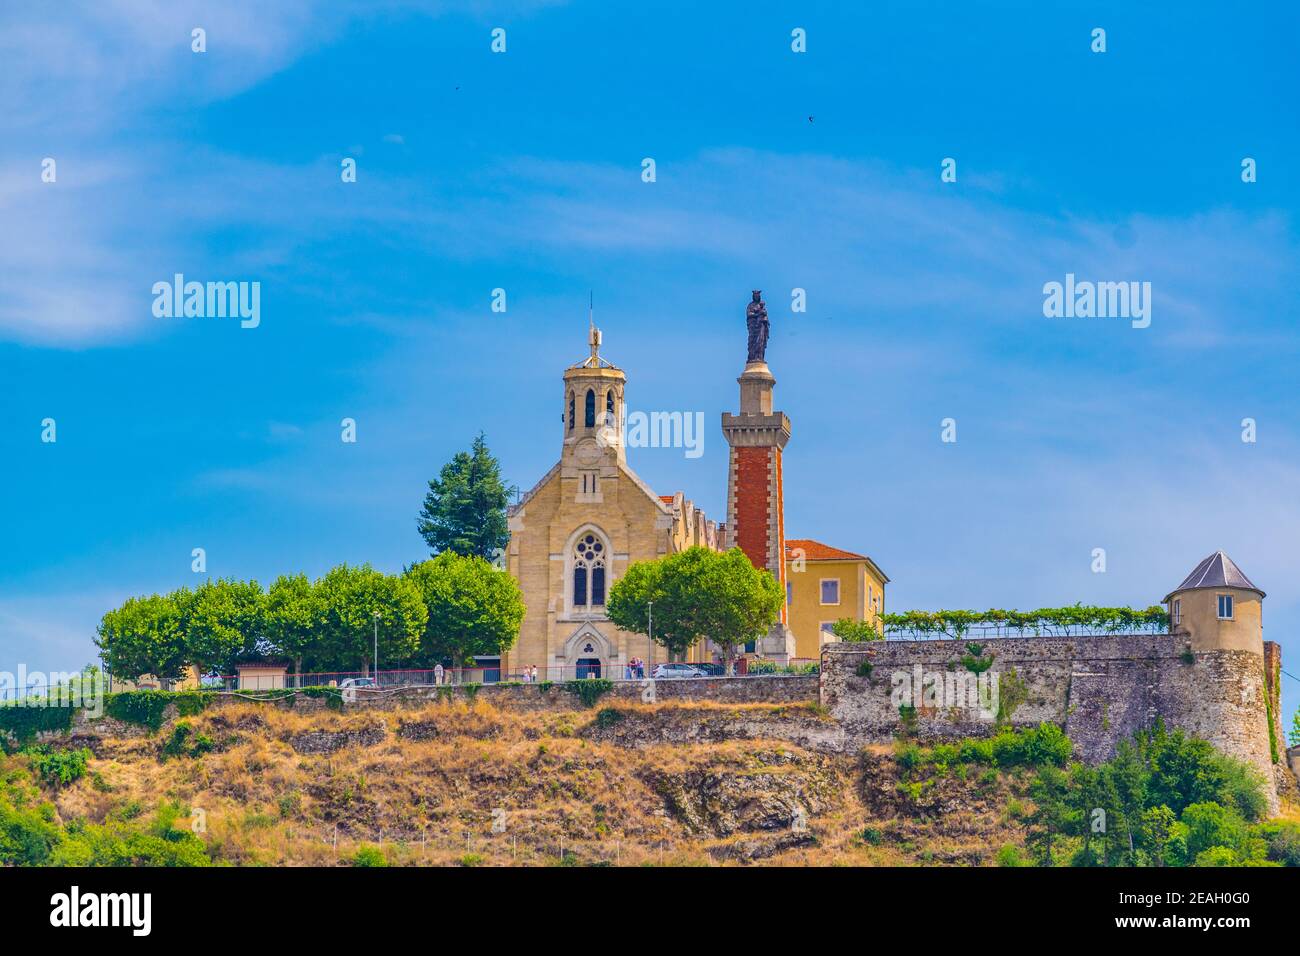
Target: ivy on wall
x: 21, y: 724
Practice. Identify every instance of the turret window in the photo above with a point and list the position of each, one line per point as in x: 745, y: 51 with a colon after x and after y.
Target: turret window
x: 588, y: 573
x: 1225, y: 607
x: 571, y: 403
x: 609, y: 407
x: 1177, y: 609
x: 590, y: 413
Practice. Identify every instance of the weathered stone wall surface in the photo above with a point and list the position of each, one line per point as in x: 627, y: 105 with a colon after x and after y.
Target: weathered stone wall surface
x: 1101, y: 689
x: 89, y: 731
x: 770, y: 689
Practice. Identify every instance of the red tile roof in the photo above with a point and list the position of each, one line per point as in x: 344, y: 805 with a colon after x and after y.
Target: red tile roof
x: 667, y: 499
x: 816, y: 551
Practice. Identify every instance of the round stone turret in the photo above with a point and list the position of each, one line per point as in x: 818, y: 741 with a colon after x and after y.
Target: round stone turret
x: 1218, y: 607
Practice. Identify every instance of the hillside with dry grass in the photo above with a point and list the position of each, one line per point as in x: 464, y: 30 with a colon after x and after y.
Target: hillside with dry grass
x: 468, y: 784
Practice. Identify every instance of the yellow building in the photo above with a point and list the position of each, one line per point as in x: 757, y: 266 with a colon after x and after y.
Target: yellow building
x: 190, y: 681
x: 824, y: 584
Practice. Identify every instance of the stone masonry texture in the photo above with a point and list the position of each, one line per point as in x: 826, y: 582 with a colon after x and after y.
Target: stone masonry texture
x: 1099, y: 689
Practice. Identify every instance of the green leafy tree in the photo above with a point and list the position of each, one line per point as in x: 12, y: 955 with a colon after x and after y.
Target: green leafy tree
x: 1088, y: 800
x: 1186, y: 770
x: 1156, y: 828
x: 473, y: 609
x: 144, y: 636
x: 348, y: 599
x: 847, y: 629
x: 1050, y: 790
x: 465, y: 508
x: 222, y: 623
x: 1127, y: 778
x: 697, y: 594
x: 290, y: 618
x: 1211, y: 828
x: 1295, y: 729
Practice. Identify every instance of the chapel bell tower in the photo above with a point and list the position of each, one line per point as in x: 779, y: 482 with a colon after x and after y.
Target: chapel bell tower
x: 593, y: 414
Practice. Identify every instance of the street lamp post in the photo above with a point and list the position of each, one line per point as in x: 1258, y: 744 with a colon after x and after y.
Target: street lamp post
x: 375, y: 615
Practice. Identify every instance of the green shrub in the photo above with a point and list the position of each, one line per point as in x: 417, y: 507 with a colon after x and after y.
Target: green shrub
x: 190, y: 703
x: 369, y: 856
x: 289, y: 805
x: 141, y: 707
x: 979, y: 750
x: 1011, y: 855
x: 872, y: 836
x: 944, y: 755
x: 332, y: 696
x: 21, y: 723
x: 58, y: 768
x: 184, y: 742
x: 608, y: 717
x: 113, y: 845
x: 865, y: 667
x: 27, y: 835
x: 1045, y: 744
x: 1217, y: 856
x: 1282, y: 841
x: 909, y: 756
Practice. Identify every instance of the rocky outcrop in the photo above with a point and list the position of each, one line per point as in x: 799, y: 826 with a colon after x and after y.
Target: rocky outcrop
x: 331, y: 741
x: 803, y: 726
x: 767, y: 790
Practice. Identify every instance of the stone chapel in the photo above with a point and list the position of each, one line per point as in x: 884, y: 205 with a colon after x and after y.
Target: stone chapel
x: 590, y: 516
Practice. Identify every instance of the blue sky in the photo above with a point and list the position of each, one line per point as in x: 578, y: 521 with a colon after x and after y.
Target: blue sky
x: 522, y: 171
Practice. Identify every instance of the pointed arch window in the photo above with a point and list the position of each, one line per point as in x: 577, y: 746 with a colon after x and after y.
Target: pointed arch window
x: 590, y: 411
x: 588, y: 573
x: 571, y: 403
x: 609, y: 407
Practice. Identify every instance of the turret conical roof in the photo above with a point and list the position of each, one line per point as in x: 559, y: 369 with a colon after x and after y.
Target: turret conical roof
x: 1216, y: 571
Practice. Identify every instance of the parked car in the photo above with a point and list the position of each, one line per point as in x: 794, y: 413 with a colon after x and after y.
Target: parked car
x: 348, y: 688
x: 673, y: 671
x: 713, y: 670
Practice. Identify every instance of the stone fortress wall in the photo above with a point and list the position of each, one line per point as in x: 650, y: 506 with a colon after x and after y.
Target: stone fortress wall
x: 1100, y: 689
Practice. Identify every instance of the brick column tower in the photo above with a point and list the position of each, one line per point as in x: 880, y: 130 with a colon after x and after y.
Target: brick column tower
x: 755, y: 503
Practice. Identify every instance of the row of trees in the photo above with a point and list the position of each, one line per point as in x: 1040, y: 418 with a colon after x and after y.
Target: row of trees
x: 444, y: 610
x: 1164, y: 799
